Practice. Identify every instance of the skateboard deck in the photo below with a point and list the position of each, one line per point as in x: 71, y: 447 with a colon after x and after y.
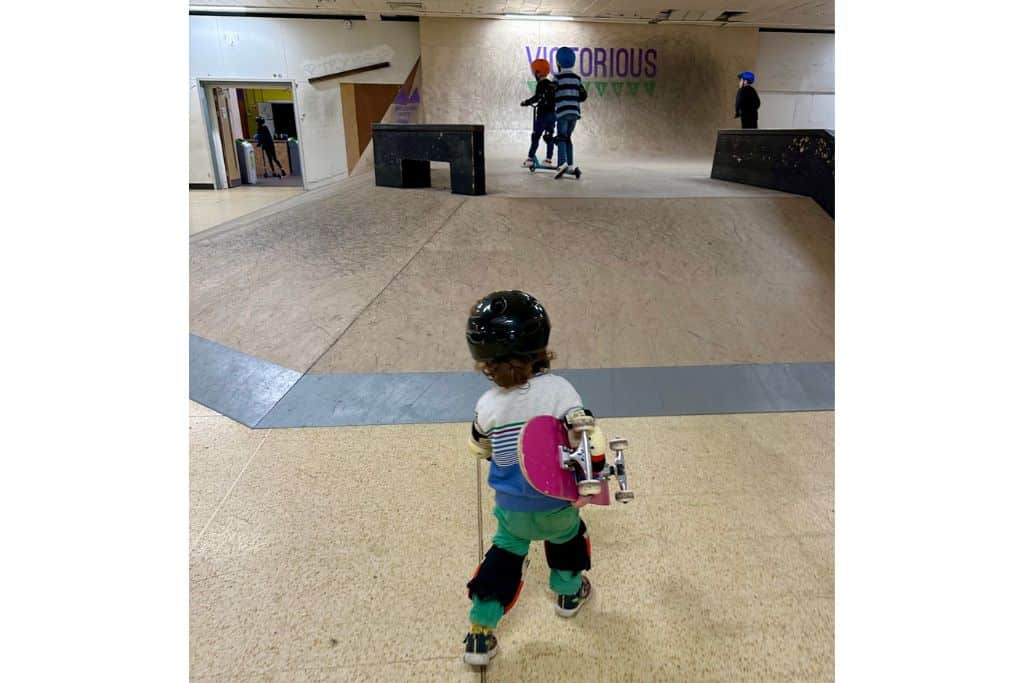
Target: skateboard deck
x: 541, y: 463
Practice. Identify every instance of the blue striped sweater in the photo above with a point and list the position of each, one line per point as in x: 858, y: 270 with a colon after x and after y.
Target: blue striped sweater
x: 568, y: 94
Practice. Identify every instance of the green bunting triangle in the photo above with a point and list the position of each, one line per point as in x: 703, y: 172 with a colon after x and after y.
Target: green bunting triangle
x: 617, y: 88
x: 532, y: 85
x: 633, y: 88
x: 649, y: 87
x: 600, y: 85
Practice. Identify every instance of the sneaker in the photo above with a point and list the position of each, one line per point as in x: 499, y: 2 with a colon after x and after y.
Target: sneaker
x: 568, y: 605
x: 528, y: 163
x: 480, y: 648
x: 549, y: 162
x: 561, y: 170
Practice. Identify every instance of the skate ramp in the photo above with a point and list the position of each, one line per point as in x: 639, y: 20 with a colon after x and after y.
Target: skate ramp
x: 361, y: 280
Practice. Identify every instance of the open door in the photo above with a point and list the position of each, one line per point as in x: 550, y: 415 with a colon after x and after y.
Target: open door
x: 234, y: 172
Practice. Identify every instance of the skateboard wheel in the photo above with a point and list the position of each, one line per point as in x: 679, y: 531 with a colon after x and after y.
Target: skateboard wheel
x: 589, y: 488
x: 577, y: 173
x: 618, y: 444
x: 623, y: 496
x: 582, y: 421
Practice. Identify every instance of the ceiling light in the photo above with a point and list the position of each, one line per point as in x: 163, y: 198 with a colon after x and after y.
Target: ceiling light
x: 222, y: 8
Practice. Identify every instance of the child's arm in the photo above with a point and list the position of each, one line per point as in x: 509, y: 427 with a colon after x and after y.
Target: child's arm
x: 531, y: 100
x: 479, y: 444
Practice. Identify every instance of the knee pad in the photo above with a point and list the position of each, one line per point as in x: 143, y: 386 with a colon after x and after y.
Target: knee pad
x: 499, y: 577
x: 573, y: 555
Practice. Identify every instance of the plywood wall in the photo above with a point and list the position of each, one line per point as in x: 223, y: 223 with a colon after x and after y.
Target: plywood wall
x: 654, y: 90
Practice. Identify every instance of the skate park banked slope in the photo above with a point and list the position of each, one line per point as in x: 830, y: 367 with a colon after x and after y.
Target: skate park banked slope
x: 356, y: 280
x: 721, y: 569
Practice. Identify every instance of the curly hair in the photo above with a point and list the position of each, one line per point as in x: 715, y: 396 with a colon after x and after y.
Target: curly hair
x: 516, y: 370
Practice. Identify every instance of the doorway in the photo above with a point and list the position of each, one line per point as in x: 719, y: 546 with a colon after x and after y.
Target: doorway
x: 236, y: 114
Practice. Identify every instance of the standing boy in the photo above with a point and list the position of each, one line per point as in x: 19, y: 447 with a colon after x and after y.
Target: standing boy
x: 569, y: 93
x: 747, y: 101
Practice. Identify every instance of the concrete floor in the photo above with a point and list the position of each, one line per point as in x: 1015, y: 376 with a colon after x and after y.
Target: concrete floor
x: 314, y: 559
x: 603, y: 177
x: 341, y: 554
x: 207, y: 208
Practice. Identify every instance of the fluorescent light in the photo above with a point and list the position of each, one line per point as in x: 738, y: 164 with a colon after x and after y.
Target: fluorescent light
x: 537, y: 17
x: 222, y: 8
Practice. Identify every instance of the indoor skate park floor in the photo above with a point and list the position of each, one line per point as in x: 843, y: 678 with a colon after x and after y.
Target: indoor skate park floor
x: 333, y: 503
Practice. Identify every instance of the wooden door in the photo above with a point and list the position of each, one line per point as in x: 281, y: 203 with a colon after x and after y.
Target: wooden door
x: 362, y: 105
x: 227, y: 142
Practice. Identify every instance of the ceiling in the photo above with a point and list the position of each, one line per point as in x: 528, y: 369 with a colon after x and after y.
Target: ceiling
x: 792, y: 14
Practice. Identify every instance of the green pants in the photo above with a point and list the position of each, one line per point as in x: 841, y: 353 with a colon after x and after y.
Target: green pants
x: 515, y: 531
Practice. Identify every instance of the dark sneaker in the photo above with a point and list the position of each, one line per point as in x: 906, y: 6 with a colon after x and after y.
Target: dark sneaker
x: 568, y: 605
x: 480, y: 648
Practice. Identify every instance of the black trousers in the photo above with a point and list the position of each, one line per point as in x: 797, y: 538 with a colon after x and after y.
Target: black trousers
x: 272, y: 157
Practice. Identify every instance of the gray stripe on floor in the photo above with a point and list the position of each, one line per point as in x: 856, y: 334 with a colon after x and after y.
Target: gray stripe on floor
x: 264, y: 395
x: 234, y: 383
x: 424, y: 397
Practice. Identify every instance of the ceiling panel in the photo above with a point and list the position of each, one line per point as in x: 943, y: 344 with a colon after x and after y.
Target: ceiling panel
x: 778, y: 13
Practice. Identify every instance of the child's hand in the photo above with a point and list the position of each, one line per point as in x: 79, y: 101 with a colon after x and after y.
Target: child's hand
x: 582, y: 501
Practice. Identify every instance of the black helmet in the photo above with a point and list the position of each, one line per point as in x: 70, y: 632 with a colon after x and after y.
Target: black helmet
x: 505, y: 324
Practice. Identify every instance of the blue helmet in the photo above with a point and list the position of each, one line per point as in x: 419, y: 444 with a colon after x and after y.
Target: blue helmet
x: 748, y: 76
x: 565, y: 57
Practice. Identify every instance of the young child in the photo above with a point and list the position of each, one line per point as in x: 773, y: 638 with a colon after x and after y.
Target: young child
x: 747, y: 101
x: 508, y: 335
x: 543, y: 114
x: 569, y: 93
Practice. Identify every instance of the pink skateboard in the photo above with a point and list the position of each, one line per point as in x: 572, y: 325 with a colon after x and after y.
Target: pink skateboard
x: 541, y: 445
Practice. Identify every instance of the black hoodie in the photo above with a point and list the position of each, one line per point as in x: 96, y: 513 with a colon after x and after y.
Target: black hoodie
x: 544, y: 98
x: 747, y: 104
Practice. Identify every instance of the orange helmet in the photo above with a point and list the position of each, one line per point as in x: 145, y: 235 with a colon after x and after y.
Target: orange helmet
x: 540, y: 66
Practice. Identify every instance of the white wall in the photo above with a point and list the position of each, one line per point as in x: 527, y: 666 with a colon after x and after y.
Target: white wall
x: 276, y: 49
x: 796, y: 80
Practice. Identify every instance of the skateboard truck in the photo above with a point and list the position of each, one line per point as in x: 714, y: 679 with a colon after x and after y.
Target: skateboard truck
x: 619, y: 445
x: 590, y: 482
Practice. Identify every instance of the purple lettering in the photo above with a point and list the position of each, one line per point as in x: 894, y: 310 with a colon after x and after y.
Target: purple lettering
x: 599, y: 56
x: 621, y: 63
x: 529, y: 57
x: 636, y: 66
x: 651, y: 57
x: 586, y: 62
